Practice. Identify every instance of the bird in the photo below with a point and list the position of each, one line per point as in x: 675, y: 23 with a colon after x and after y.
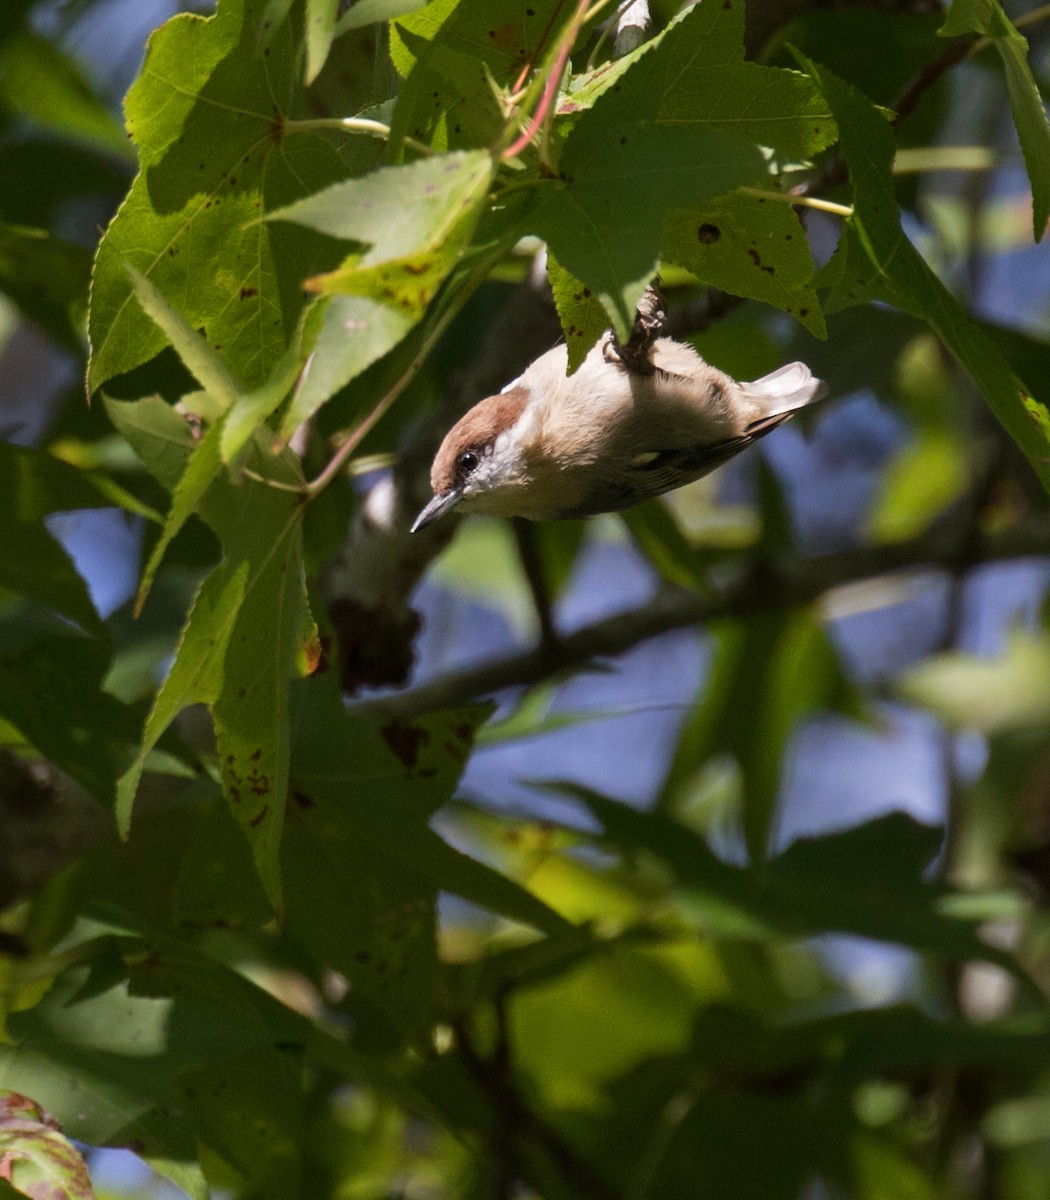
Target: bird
x: 553, y: 446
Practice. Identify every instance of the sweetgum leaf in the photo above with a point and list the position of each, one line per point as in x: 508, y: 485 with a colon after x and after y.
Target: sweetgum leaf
x: 367, y: 12
x: 202, y: 469
x: 157, y: 434
x: 448, y: 50
x: 245, y: 637
x: 866, y: 880
x: 70, y: 1052
x: 51, y: 692
x: 207, y: 116
x: 875, y: 260
x: 249, y: 1107
x: 1026, y: 103
x: 749, y: 247
x: 383, y: 785
x: 47, y: 278
x: 582, y: 315
x: 348, y: 334
x: 416, y: 221
x: 320, y: 30
x: 206, y: 366
x: 688, y: 122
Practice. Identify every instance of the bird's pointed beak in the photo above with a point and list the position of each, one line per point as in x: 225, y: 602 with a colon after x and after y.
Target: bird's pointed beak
x: 437, y: 507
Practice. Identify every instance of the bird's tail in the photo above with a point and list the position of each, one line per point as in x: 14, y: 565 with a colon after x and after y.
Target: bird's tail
x: 777, y: 395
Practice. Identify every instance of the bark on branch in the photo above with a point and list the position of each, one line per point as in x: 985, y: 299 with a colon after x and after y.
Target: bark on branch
x: 762, y: 587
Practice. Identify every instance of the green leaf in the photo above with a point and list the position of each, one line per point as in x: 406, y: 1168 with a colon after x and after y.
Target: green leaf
x: 203, y: 363
x: 217, y: 886
x: 320, y: 30
x: 990, y: 694
x: 246, y: 636
x: 207, y: 115
x: 42, y: 85
x: 48, y: 279
x: 415, y: 219
x: 688, y: 122
x: 876, y: 260
x: 157, y: 433
x: 1026, y: 104
x: 73, y: 1060
x: 448, y: 52
x: 202, y: 469
x: 582, y: 315
x: 867, y: 880
x: 249, y: 1108
x: 51, y: 691
x: 36, y: 1155
x: 748, y: 246
x: 918, y: 485
x: 70, y: 1052
x: 388, y: 782
x: 196, y: 676
x: 368, y: 12
x: 351, y: 333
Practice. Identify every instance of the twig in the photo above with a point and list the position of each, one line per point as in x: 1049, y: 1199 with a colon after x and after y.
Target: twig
x: 524, y: 1133
x: 799, y: 200
x: 631, y: 28
x: 551, y: 85
x: 365, y: 125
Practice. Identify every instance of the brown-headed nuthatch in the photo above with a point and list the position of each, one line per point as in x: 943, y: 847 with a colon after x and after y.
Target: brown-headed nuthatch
x: 551, y: 446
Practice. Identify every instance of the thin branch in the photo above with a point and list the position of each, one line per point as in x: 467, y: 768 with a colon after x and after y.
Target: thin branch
x: 762, y: 588
x: 800, y: 200
x: 964, y: 47
x: 631, y: 28
x: 339, y: 459
x: 365, y: 125
x: 526, y: 1135
x: 550, y: 88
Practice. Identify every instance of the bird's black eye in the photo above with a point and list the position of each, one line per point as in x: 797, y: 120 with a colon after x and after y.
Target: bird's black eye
x: 467, y: 463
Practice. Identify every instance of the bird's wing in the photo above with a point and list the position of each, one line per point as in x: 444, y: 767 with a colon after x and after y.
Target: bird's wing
x: 651, y: 474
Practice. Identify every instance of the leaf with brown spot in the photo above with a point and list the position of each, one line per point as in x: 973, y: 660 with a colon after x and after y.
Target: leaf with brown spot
x: 582, y: 315
x: 415, y: 219
x: 747, y: 248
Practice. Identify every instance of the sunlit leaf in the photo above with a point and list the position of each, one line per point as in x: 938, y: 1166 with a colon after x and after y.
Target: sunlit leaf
x: 206, y: 115
x: 1026, y: 103
x: 688, y: 122
x: 748, y: 246
x: 977, y: 692
x: 876, y: 260
x: 582, y: 315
